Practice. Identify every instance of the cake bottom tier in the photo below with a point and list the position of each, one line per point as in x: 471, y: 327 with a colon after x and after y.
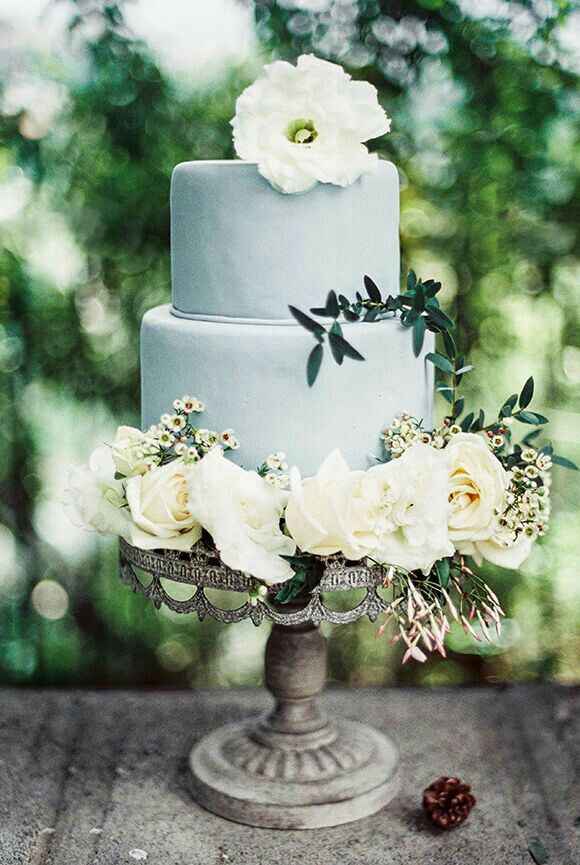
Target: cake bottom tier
x: 252, y: 378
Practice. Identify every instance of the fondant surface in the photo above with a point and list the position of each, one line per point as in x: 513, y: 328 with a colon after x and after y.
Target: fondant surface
x: 240, y: 248
x: 252, y: 378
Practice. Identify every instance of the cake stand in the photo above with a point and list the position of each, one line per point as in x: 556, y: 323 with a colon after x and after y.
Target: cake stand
x: 294, y: 768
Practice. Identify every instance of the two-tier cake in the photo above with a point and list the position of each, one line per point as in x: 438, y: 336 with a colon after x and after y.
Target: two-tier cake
x: 241, y: 253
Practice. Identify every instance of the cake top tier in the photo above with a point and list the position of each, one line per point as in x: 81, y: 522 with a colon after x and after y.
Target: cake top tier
x: 240, y: 249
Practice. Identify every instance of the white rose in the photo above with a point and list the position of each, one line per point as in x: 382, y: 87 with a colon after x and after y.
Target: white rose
x: 505, y: 554
x: 94, y: 500
x: 477, y: 487
x: 242, y: 513
x: 161, y: 510
x: 312, y: 514
x: 128, y: 451
x: 395, y: 513
x: 306, y: 123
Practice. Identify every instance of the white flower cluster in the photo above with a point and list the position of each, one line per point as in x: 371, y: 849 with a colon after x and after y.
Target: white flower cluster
x: 500, y: 503
x: 527, y: 504
x: 274, y: 470
x: 306, y: 124
x: 159, y: 490
x: 439, y: 497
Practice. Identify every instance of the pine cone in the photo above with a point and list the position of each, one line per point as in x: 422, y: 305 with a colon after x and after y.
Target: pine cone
x: 448, y: 802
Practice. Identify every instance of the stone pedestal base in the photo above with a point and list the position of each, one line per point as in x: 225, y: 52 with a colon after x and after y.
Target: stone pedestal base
x: 294, y: 769
x: 351, y: 777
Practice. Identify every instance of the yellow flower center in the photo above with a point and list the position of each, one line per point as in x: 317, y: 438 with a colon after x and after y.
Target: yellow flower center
x: 301, y: 131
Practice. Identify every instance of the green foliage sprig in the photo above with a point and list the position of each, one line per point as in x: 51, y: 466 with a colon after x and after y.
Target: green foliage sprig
x: 417, y: 307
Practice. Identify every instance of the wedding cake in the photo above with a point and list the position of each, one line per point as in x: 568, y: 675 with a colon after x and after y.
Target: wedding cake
x: 242, y: 252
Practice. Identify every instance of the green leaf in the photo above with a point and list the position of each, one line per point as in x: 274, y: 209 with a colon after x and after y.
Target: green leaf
x: 292, y: 587
x: 431, y: 288
x: 467, y: 421
x: 508, y: 406
x: 439, y: 317
x: 371, y: 314
x: 458, y: 407
x: 313, y: 364
x: 479, y: 422
x: 531, y: 417
x: 440, y: 361
x: 332, y: 307
x: 352, y: 316
x: 464, y: 369
x: 307, y: 322
x: 538, y: 852
x: 564, y: 462
x: 419, y: 302
x: 531, y: 436
x: 372, y: 289
x: 334, y: 338
x: 442, y: 567
x: 527, y: 393
x: 411, y: 280
x: 347, y: 349
x: 418, y: 335
x: 449, y: 343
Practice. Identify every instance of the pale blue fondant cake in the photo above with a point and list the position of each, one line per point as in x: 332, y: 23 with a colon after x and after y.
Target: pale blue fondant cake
x: 241, y: 252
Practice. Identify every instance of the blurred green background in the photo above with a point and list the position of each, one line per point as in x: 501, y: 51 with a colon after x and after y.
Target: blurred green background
x: 98, y: 101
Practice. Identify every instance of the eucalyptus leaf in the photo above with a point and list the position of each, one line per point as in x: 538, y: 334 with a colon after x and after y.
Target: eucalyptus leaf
x: 531, y: 417
x: 508, y: 406
x: 527, y: 393
x: 332, y: 307
x: 449, y: 343
x: 467, y: 421
x: 411, y: 280
x: 440, y: 361
x: 348, y: 350
x: 307, y: 322
x: 313, y: 364
x: 372, y: 289
x: 418, y: 335
x: 564, y: 462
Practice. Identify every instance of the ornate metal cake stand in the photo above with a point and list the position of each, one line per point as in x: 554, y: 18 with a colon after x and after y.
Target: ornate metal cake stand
x: 294, y: 768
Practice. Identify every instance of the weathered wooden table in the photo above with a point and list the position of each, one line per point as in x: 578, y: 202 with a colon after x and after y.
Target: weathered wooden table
x: 100, y: 778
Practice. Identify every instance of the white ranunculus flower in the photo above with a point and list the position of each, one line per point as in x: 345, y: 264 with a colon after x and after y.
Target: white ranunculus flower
x: 94, y: 500
x: 306, y: 124
x: 412, y: 519
x: 477, y: 488
x: 505, y: 554
x: 161, y: 510
x: 128, y: 451
x: 395, y: 513
x: 242, y: 513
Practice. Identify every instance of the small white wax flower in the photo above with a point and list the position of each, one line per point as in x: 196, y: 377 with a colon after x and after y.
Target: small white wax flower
x: 529, y: 455
x: 177, y: 422
x: 178, y: 405
x: 166, y: 439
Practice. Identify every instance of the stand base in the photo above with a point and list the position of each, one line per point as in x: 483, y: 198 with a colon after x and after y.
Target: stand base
x: 341, y: 773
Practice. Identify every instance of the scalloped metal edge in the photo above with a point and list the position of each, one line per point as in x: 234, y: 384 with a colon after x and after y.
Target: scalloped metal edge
x: 202, y: 569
